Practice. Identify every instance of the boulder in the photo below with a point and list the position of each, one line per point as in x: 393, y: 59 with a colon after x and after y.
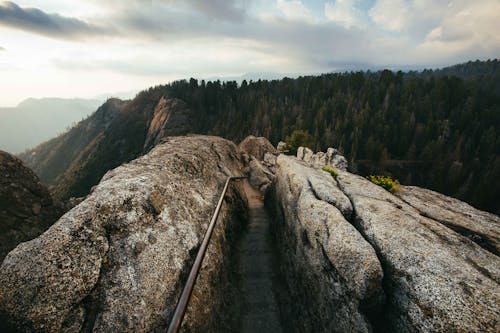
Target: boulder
x: 257, y: 147
x: 26, y: 207
x: 435, y: 279
x: 331, y: 272
x: 117, y: 262
x: 281, y: 147
x: 260, y: 177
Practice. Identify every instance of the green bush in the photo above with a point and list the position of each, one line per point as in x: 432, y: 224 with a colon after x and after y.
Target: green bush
x: 331, y: 170
x: 386, y: 182
x: 298, y: 139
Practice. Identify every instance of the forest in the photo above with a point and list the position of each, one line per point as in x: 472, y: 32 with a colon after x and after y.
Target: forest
x: 437, y: 129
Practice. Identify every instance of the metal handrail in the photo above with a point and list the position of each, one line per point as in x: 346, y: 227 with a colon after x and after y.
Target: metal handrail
x: 182, y: 304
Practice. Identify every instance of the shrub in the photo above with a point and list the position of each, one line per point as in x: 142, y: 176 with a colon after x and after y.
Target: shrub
x: 386, y: 182
x: 298, y: 139
x: 331, y: 170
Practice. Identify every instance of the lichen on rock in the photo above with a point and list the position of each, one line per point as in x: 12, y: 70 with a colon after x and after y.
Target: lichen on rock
x: 116, y: 261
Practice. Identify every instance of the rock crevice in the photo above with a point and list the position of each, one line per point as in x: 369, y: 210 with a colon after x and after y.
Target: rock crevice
x: 117, y: 261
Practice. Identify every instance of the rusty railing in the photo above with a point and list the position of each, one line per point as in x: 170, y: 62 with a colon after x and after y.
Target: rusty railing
x: 183, y: 302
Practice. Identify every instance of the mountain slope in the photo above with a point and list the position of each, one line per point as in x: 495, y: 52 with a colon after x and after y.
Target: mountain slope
x: 36, y: 120
x: 116, y: 133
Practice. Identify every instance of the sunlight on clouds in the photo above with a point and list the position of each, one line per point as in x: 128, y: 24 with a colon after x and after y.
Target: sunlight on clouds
x: 295, y: 10
x: 345, y: 13
x: 391, y: 15
x: 466, y: 26
x: 84, y: 48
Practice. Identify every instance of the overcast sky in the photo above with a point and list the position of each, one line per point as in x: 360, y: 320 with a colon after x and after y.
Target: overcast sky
x: 84, y: 48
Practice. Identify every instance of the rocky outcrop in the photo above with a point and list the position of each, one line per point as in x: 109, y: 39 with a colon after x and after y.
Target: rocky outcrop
x: 117, y: 261
x: 260, y: 158
x: 171, y: 117
x: 320, y: 159
x: 332, y: 273
x: 481, y: 227
x: 257, y: 147
x: 26, y: 206
x: 435, y: 278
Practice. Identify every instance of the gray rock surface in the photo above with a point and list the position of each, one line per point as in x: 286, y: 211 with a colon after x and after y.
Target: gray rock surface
x: 171, y: 117
x: 259, y: 156
x: 436, y: 279
x: 26, y: 207
x: 281, y: 147
x: 320, y: 159
x: 332, y: 273
x: 481, y: 227
x: 257, y: 147
x: 260, y: 176
x: 116, y: 262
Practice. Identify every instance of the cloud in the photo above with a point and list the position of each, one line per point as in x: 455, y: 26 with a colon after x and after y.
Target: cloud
x: 344, y: 13
x: 51, y: 25
x: 230, y: 10
x: 294, y: 10
x: 391, y: 15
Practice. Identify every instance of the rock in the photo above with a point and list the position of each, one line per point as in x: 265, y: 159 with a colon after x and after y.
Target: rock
x: 171, y: 117
x: 332, y: 274
x: 481, y: 227
x: 339, y: 162
x: 257, y: 147
x: 117, y: 261
x: 259, y: 174
x: 270, y: 159
x: 308, y: 155
x: 300, y: 153
x: 436, y: 280
x: 281, y: 147
x: 26, y: 207
x: 331, y: 157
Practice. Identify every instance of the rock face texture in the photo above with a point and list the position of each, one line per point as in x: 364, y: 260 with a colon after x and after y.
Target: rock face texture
x: 260, y: 159
x: 26, y: 206
x: 435, y: 279
x: 257, y: 146
x: 321, y: 159
x: 117, y: 261
x: 171, y: 117
x: 332, y: 272
x: 481, y: 227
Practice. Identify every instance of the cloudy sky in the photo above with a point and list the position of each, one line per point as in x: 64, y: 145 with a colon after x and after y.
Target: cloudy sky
x: 85, y: 48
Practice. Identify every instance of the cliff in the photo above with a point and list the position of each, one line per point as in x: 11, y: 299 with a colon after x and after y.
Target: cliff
x: 26, y: 206
x: 357, y: 258
x: 118, y: 132
x: 117, y: 261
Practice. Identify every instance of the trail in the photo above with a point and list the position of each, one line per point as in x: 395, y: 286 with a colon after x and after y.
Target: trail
x: 255, y: 269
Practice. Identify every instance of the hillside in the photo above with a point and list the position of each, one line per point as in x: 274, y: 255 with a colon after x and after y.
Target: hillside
x: 428, y: 129
x: 35, y: 120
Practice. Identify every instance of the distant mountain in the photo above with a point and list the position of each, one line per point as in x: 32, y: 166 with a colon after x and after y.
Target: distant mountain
x: 430, y: 129
x: 117, y: 132
x: 35, y: 120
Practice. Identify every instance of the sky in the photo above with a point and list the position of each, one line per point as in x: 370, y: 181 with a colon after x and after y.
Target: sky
x: 87, y: 48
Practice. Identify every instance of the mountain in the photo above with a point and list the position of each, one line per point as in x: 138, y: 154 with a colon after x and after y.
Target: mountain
x: 36, y: 120
x: 427, y: 129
